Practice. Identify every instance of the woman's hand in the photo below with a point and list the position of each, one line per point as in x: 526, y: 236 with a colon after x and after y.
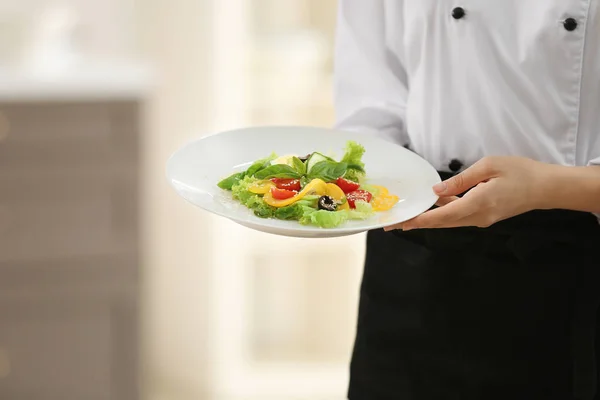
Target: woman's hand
x: 502, y: 187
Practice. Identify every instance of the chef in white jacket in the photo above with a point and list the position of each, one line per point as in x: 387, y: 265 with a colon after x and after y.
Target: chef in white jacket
x: 493, y: 293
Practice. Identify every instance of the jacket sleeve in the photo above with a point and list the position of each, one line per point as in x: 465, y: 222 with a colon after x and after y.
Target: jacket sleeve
x: 370, y: 83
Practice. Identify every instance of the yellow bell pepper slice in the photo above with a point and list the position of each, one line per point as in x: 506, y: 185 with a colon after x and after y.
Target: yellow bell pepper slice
x: 261, y: 187
x: 385, y: 202
x: 316, y: 187
x: 336, y: 193
x: 383, y: 191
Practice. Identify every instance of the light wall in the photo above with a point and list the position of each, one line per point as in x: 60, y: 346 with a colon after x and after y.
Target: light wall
x: 176, y: 37
x: 104, y: 28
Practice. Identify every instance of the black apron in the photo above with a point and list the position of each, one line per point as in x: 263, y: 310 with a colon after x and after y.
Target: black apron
x: 503, y: 313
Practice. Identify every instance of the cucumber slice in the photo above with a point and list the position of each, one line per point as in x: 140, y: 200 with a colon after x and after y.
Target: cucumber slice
x: 315, y: 158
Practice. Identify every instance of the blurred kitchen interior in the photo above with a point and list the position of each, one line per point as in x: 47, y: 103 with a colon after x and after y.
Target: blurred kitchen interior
x: 107, y: 278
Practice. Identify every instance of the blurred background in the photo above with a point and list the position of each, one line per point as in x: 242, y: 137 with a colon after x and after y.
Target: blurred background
x: 112, y: 287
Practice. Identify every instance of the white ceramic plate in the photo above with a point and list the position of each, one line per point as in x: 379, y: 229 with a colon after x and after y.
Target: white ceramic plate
x: 195, y: 170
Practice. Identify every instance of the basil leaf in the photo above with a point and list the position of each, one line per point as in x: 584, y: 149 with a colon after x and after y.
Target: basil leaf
x: 277, y: 171
x: 303, y: 181
x: 260, y: 164
x: 257, y: 166
x: 299, y: 166
x: 328, y: 170
x: 228, y: 182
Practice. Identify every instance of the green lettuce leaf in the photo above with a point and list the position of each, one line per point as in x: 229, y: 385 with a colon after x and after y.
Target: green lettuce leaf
x: 353, y: 159
x: 293, y: 212
x: 324, y: 218
x: 253, y: 201
x: 297, y: 210
x: 329, y: 219
x: 371, y: 189
x: 363, y: 210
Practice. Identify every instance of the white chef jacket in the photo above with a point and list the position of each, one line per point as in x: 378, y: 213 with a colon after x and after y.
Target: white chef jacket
x: 457, y: 80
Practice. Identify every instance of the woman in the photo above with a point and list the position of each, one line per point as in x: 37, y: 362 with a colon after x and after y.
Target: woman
x: 496, y: 294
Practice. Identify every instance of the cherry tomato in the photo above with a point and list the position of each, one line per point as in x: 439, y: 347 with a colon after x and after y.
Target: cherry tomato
x: 282, y: 194
x: 288, y: 184
x: 346, y: 185
x: 358, y: 195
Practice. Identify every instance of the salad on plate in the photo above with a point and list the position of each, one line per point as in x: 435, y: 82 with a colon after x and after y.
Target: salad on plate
x: 314, y: 189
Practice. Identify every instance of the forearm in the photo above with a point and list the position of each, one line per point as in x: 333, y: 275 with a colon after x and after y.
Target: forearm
x: 572, y: 188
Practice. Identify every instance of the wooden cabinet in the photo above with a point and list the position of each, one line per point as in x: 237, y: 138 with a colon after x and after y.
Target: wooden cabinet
x: 69, y: 250
x: 63, y: 135
x: 49, y: 354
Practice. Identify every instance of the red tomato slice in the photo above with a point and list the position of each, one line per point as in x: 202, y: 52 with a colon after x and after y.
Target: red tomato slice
x: 346, y: 185
x: 282, y: 194
x: 288, y: 184
x: 358, y: 195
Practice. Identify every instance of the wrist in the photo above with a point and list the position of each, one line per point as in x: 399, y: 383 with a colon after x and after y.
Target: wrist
x: 548, y: 180
x: 569, y: 188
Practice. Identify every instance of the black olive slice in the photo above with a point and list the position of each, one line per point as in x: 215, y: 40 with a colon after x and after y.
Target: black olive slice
x: 305, y: 158
x: 327, y: 203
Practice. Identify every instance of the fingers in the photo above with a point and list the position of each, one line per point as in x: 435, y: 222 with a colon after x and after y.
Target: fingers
x: 442, y: 201
x: 393, y: 227
x: 472, y: 220
x: 442, y: 217
x: 479, y: 172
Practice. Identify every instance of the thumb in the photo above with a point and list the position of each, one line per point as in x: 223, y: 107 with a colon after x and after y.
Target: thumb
x: 470, y: 177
